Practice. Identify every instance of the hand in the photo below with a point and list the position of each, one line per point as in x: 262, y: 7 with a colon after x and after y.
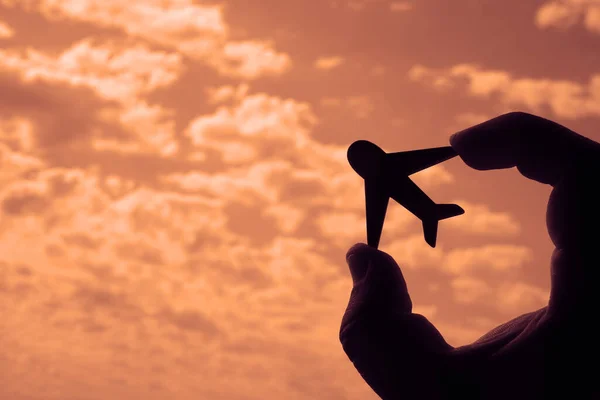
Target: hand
x: 548, y: 353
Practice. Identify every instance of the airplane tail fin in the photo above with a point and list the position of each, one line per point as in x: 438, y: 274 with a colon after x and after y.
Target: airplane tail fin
x: 442, y: 211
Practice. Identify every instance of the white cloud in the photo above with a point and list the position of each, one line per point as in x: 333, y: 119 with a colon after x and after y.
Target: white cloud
x: 401, y: 6
x: 342, y: 228
x: 567, y: 99
x: 117, y: 73
x: 564, y: 14
x: 479, y: 219
x: 257, y: 124
x: 433, y: 176
x: 227, y: 93
x: 468, y: 119
x: 413, y: 252
x: 520, y: 297
x: 251, y: 59
x: 360, y: 107
x: 197, y: 31
x: 250, y: 185
x: 14, y: 164
x: 287, y: 217
x: 18, y: 133
x: 327, y: 63
x: 429, y: 311
x: 6, y: 31
x: 493, y: 257
x: 469, y: 290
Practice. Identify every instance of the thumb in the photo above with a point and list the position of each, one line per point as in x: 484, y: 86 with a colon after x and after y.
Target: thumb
x: 397, y: 353
x: 378, y: 284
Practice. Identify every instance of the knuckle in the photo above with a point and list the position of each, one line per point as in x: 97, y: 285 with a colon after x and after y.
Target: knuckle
x: 519, y: 116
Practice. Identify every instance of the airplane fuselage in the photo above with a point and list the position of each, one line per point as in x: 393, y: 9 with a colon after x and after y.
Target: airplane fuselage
x: 369, y: 162
x: 418, y: 203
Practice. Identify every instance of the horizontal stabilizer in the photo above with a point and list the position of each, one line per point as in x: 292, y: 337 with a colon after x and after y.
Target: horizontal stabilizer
x: 444, y: 211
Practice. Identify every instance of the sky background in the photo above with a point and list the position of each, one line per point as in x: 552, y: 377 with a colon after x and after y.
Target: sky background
x: 176, y: 203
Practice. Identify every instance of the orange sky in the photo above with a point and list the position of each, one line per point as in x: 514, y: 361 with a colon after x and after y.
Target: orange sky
x: 176, y: 201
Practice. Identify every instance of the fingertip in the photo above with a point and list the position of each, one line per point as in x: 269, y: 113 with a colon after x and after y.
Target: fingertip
x: 364, y: 252
x: 358, y: 248
x: 452, y: 139
x: 457, y: 140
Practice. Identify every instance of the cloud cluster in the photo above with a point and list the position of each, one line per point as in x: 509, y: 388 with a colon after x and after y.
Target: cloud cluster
x: 194, y: 30
x: 563, y: 14
x: 5, y: 30
x: 564, y: 98
x: 121, y: 75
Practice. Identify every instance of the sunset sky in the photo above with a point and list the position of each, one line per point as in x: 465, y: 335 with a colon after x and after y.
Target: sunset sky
x: 176, y: 203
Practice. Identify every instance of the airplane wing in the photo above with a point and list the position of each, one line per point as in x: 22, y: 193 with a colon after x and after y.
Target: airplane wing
x: 410, y: 196
x: 376, y: 200
x: 409, y: 162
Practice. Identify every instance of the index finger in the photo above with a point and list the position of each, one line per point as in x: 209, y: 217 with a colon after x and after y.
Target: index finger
x: 541, y: 149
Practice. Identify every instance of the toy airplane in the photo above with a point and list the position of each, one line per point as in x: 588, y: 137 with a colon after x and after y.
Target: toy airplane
x: 386, y: 175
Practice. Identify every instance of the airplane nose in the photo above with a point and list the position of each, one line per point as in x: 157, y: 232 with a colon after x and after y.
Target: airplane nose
x: 366, y: 158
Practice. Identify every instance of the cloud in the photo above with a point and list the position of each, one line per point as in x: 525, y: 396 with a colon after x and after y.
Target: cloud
x: 269, y: 156
x: 253, y: 128
x: 116, y: 73
x: 519, y: 297
x: 342, y: 227
x: 15, y: 164
x: 469, y: 290
x: 480, y: 220
x: 567, y: 99
x: 401, y: 6
x: 493, y: 257
x: 413, y: 252
x: 468, y: 119
x: 327, y: 63
x: 197, y: 31
x: 428, y: 311
x: 227, y: 93
x: 360, y: 107
x: 6, y: 31
x: 433, y: 176
x: 38, y: 113
x: 287, y: 217
x: 251, y: 59
x: 17, y: 133
x: 511, y: 298
x: 564, y: 14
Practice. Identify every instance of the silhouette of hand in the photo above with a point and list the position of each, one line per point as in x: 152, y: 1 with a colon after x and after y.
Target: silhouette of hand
x: 548, y: 353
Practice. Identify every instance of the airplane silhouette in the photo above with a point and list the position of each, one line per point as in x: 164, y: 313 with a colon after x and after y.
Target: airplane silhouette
x: 387, y: 175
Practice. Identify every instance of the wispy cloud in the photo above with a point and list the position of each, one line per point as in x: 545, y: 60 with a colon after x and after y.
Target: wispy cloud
x: 5, y: 30
x: 401, y: 6
x: 328, y: 63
